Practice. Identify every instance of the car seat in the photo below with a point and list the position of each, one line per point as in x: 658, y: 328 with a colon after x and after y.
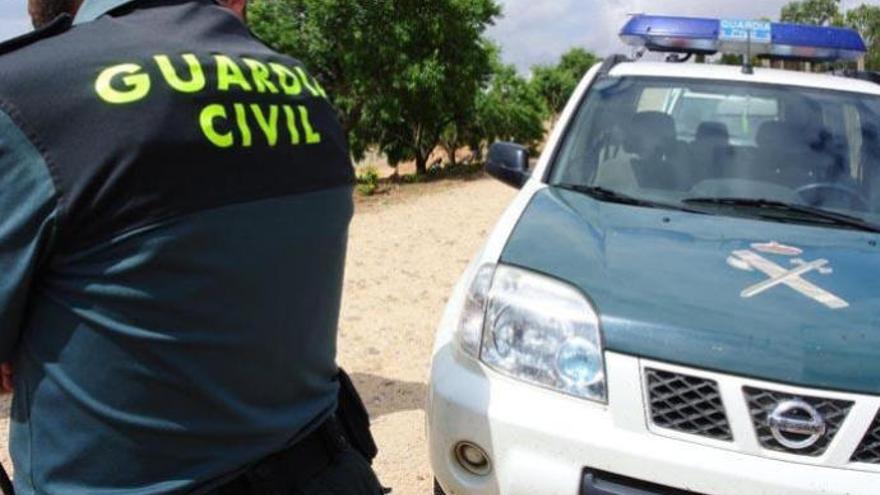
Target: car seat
x: 710, y: 151
x: 659, y: 159
x: 870, y: 164
x: 793, y: 155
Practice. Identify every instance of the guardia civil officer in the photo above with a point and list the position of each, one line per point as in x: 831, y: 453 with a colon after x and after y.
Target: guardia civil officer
x: 174, y: 205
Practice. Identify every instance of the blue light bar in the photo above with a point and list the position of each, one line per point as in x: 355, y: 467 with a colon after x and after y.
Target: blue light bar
x: 768, y: 39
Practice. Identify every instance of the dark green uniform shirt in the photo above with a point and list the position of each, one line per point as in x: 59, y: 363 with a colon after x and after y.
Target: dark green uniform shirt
x: 174, y: 205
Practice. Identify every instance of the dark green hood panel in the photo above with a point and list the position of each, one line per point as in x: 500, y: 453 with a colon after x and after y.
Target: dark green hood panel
x: 663, y: 286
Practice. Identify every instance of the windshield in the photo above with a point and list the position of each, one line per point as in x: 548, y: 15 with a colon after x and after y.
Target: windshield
x: 686, y: 141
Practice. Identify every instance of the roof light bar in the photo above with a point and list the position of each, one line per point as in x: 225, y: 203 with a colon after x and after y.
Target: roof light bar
x: 758, y: 38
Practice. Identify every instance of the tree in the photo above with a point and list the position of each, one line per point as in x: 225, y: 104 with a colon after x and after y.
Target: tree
x: 446, y: 61
x: 510, y: 109
x: 818, y: 12
x: 866, y: 20
x: 556, y: 83
x: 399, y: 71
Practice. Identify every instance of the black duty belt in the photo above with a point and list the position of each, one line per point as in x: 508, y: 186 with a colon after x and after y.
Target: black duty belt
x: 292, y: 468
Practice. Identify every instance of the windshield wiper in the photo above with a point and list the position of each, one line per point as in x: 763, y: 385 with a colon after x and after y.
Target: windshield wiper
x: 602, y: 194
x: 808, y: 212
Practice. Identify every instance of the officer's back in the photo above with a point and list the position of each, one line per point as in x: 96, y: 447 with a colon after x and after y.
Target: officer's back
x: 175, y: 201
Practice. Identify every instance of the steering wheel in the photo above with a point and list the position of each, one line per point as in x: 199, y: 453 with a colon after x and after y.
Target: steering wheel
x: 817, y: 194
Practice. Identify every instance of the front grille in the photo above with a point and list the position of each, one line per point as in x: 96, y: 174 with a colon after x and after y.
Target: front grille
x: 687, y: 404
x: 869, y: 450
x: 763, y: 402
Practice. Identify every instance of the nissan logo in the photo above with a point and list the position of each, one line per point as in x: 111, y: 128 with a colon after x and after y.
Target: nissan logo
x: 796, y: 425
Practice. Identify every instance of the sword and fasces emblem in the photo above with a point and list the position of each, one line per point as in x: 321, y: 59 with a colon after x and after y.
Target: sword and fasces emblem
x: 751, y: 260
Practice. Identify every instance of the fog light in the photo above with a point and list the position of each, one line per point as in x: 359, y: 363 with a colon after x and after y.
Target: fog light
x: 473, y: 459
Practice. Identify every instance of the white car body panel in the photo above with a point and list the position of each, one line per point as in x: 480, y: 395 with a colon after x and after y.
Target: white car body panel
x: 735, y: 74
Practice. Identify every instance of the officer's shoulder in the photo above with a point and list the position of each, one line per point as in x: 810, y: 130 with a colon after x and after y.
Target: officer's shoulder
x: 60, y: 25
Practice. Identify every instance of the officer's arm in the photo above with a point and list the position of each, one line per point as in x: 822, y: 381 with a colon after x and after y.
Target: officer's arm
x: 28, y: 210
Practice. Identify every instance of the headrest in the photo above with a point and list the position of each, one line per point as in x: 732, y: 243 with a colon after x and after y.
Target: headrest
x: 648, y: 131
x: 785, y: 135
x: 776, y: 134
x: 713, y: 131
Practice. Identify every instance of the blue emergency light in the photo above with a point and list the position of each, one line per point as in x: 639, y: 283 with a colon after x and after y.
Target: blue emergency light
x: 742, y: 37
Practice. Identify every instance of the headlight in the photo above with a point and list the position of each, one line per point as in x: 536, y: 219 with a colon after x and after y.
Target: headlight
x: 470, y: 327
x: 534, y: 329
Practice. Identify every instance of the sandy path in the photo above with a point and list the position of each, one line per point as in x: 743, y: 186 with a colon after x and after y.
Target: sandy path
x: 407, y: 250
x: 404, y: 258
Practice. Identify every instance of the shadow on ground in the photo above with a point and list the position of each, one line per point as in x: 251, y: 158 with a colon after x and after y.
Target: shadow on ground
x: 386, y: 396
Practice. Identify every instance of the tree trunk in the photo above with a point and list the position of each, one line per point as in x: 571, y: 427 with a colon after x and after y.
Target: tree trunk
x: 421, y: 158
x: 476, y: 152
x: 451, y: 150
x: 350, y: 120
x: 421, y: 164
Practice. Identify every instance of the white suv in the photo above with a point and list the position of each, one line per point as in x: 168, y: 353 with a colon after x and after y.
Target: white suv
x: 683, y: 298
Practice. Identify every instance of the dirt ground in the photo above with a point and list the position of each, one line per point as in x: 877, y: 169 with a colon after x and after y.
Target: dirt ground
x: 407, y: 249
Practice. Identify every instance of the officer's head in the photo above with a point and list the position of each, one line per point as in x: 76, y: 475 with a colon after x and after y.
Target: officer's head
x: 44, y: 11
x: 237, y: 6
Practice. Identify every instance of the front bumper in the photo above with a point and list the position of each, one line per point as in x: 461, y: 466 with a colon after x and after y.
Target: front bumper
x: 541, y: 442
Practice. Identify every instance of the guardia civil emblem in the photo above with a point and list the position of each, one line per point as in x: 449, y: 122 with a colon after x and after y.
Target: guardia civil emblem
x: 758, y: 259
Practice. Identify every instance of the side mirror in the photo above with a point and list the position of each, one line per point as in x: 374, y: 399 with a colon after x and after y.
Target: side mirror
x: 509, y: 163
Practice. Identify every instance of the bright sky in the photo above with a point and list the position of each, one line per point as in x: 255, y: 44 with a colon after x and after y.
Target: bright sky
x: 13, y: 18
x: 538, y: 31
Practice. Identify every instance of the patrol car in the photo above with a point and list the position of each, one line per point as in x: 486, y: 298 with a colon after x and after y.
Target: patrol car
x: 685, y: 295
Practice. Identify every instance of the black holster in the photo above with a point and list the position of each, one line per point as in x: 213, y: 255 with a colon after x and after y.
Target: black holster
x: 6, y: 487
x: 352, y: 415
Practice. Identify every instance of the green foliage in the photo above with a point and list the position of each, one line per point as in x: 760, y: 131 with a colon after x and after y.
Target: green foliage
x: 818, y: 12
x: 510, y: 109
x: 731, y: 59
x: 866, y: 19
x: 445, y: 64
x: 368, y: 181
x: 556, y: 83
x: 399, y: 71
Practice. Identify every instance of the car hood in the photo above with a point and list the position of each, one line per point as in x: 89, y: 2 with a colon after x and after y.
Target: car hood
x: 669, y: 286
